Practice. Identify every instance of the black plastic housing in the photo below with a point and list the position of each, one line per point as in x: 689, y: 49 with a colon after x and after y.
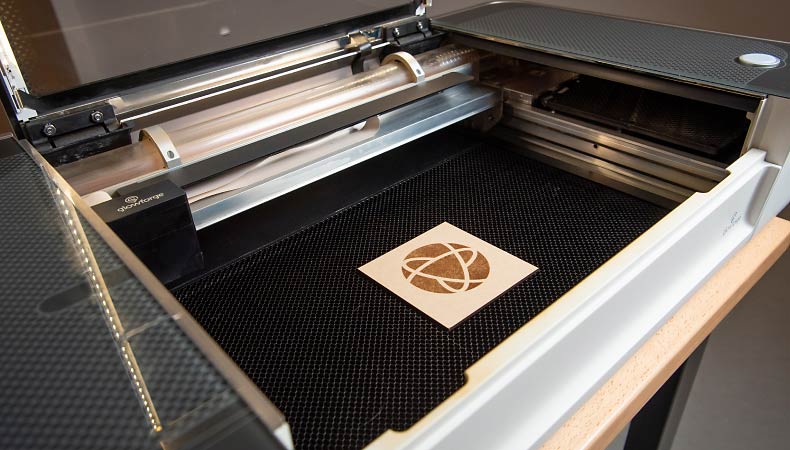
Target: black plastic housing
x: 156, y: 223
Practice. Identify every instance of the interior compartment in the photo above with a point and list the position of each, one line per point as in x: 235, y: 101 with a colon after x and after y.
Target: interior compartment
x: 710, y: 130
x: 344, y: 358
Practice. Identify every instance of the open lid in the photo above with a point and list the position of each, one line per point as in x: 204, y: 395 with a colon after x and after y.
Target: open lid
x: 61, y: 46
x: 723, y: 61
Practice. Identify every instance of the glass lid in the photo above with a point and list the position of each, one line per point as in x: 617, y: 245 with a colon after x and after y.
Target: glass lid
x: 63, y: 44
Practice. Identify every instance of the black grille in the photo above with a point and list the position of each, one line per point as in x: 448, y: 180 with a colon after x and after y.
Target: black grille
x: 345, y: 359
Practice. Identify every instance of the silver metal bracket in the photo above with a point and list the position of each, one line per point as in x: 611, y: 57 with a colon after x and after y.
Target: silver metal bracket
x: 362, y: 44
x: 12, y: 78
x: 409, y: 62
x: 423, y: 7
x: 162, y: 141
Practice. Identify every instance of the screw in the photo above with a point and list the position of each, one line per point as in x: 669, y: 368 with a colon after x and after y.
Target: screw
x: 50, y: 129
x: 97, y: 117
x: 396, y: 32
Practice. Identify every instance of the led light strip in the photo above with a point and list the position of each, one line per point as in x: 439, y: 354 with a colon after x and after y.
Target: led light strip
x: 66, y: 208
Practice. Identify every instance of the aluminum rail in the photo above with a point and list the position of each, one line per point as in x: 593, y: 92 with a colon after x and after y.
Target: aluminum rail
x: 396, y: 128
x: 203, y: 141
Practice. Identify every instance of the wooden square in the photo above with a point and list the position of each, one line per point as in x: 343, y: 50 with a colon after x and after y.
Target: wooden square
x: 447, y: 273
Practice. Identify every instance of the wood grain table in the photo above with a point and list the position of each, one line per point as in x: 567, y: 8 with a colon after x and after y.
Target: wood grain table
x: 599, y: 420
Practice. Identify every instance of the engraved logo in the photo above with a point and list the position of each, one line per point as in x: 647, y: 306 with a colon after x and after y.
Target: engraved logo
x: 133, y: 201
x: 445, y: 268
x: 447, y: 273
x: 735, y: 219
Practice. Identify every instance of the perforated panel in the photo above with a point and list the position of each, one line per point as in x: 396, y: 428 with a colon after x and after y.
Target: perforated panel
x: 344, y: 358
x: 678, y: 52
x: 63, y: 382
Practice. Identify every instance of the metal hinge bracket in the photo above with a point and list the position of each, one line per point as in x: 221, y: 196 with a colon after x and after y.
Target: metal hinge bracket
x: 422, y: 7
x: 74, y: 134
x: 362, y: 44
x: 12, y: 79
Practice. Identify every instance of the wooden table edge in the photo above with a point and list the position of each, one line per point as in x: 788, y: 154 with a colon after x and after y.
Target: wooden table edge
x: 601, y: 418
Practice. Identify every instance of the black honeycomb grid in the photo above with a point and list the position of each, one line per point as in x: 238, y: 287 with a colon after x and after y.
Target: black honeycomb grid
x: 345, y: 359
x: 178, y: 377
x: 668, y: 50
x: 63, y: 382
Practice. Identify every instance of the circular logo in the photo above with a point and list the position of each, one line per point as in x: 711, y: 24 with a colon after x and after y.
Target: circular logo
x: 445, y: 268
x: 131, y: 199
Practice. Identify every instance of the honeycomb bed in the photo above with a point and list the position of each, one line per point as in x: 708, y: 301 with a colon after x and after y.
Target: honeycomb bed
x: 341, y: 356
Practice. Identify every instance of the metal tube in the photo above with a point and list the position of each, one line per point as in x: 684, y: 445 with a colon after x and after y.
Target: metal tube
x: 250, y: 124
x: 112, y: 167
x: 193, y: 85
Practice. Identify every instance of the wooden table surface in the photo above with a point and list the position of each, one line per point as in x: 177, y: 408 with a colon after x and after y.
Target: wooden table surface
x: 598, y: 421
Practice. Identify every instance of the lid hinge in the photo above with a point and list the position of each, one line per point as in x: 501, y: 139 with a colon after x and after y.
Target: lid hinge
x: 22, y: 112
x: 12, y: 79
x: 74, y: 134
x: 414, y: 36
x: 360, y: 43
